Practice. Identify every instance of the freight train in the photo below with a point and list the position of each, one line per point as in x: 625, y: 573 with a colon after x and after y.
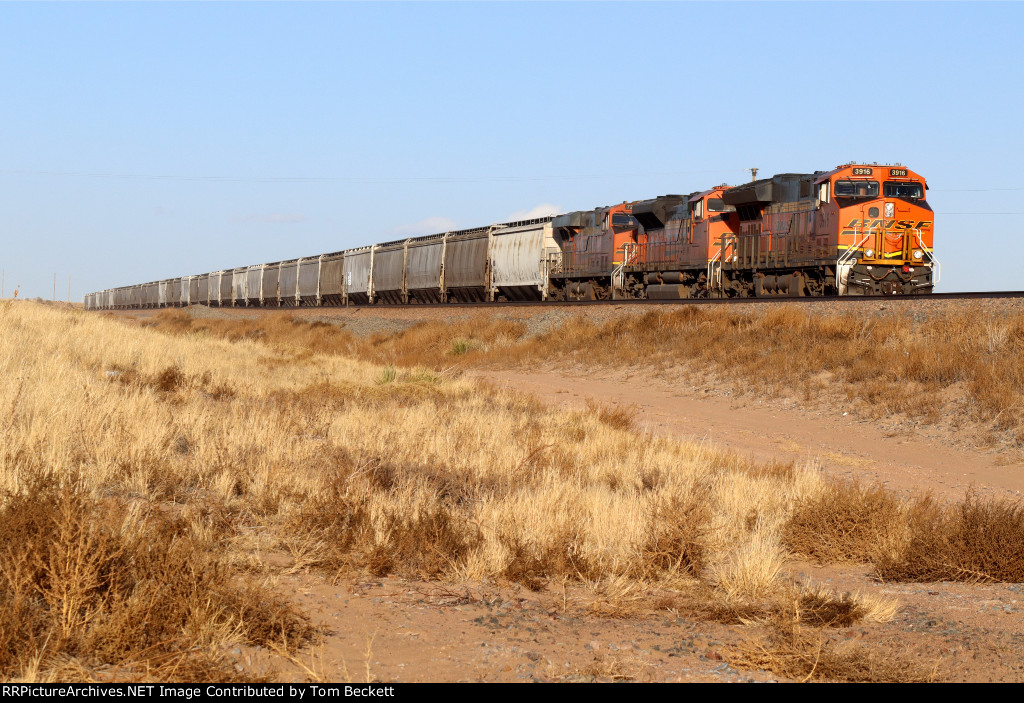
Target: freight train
x: 859, y: 229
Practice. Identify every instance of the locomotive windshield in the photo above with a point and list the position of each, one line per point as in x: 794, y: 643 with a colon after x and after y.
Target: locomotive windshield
x: 856, y: 189
x: 902, y: 190
x: 621, y: 222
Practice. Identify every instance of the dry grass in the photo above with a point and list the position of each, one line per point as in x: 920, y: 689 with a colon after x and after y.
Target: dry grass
x: 353, y: 467
x: 966, y: 363
x: 810, y: 654
x: 97, y: 583
x: 751, y: 572
x: 800, y: 642
x: 277, y: 437
x: 794, y: 634
x: 818, y: 606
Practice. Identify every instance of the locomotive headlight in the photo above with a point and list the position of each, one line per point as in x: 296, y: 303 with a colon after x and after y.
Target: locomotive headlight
x: 889, y: 209
x: 918, y: 254
x: 869, y: 253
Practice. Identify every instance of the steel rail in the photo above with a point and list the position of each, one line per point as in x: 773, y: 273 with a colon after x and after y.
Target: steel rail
x: 980, y: 295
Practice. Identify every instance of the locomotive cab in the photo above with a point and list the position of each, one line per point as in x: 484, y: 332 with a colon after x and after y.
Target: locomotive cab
x: 594, y: 247
x: 624, y: 232
x: 713, y: 220
x: 883, y: 225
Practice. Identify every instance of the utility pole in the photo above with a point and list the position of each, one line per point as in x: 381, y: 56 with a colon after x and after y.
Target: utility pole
x: 69, y: 287
x: 54, y: 298
x: 753, y: 174
x: 3, y: 280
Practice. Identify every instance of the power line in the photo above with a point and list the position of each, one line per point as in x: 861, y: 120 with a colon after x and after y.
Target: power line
x: 409, y: 179
x: 354, y: 179
x: 971, y: 190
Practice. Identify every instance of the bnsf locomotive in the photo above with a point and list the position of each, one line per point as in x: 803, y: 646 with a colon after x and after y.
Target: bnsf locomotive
x: 860, y: 229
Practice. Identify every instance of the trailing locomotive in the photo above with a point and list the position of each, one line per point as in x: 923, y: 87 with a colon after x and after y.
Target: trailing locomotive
x: 860, y: 229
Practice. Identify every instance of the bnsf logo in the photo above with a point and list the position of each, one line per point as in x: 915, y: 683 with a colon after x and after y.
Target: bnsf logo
x: 889, y: 224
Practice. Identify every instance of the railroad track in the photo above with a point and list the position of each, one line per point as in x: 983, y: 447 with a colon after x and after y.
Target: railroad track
x: 851, y: 300
x: 978, y: 295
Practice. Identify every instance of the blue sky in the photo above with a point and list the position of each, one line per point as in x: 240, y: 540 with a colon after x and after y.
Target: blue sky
x: 141, y: 141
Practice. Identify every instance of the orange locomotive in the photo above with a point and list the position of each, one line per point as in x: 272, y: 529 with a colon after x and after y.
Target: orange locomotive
x: 860, y: 229
x: 593, y: 246
x: 652, y: 248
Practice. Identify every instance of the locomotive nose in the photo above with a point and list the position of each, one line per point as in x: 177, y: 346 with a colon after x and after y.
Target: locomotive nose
x: 885, y: 235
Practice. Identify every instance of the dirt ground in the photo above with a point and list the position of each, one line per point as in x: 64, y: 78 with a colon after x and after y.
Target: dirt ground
x: 401, y: 631
x: 397, y: 630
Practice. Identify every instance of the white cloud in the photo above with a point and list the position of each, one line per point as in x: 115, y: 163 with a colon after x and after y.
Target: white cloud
x: 431, y: 225
x: 278, y: 218
x: 542, y: 210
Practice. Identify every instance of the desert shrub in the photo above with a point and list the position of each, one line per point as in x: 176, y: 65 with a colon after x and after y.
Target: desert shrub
x: 351, y: 533
x: 844, y: 522
x: 428, y: 544
x: 818, y: 606
x: 619, y: 418
x: 102, y: 583
x: 167, y: 380
x: 535, y: 564
x: 676, y: 543
x: 337, y: 520
x: 972, y: 540
x: 387, y: 375
x: 460, y: 346
x: 807, y: 653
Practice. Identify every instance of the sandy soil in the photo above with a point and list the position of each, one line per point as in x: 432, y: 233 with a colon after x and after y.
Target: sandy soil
x: 397, y: 630
x: 405, y: 631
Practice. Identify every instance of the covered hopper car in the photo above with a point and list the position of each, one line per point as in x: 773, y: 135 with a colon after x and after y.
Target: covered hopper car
x: 859, y: 229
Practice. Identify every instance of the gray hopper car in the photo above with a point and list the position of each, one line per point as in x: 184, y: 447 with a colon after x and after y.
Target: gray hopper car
x: 509, y: 261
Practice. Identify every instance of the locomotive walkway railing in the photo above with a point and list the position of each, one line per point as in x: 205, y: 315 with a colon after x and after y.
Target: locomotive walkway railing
x: 844, y: 262
x: 630, y: 255
x: 936, y: 266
